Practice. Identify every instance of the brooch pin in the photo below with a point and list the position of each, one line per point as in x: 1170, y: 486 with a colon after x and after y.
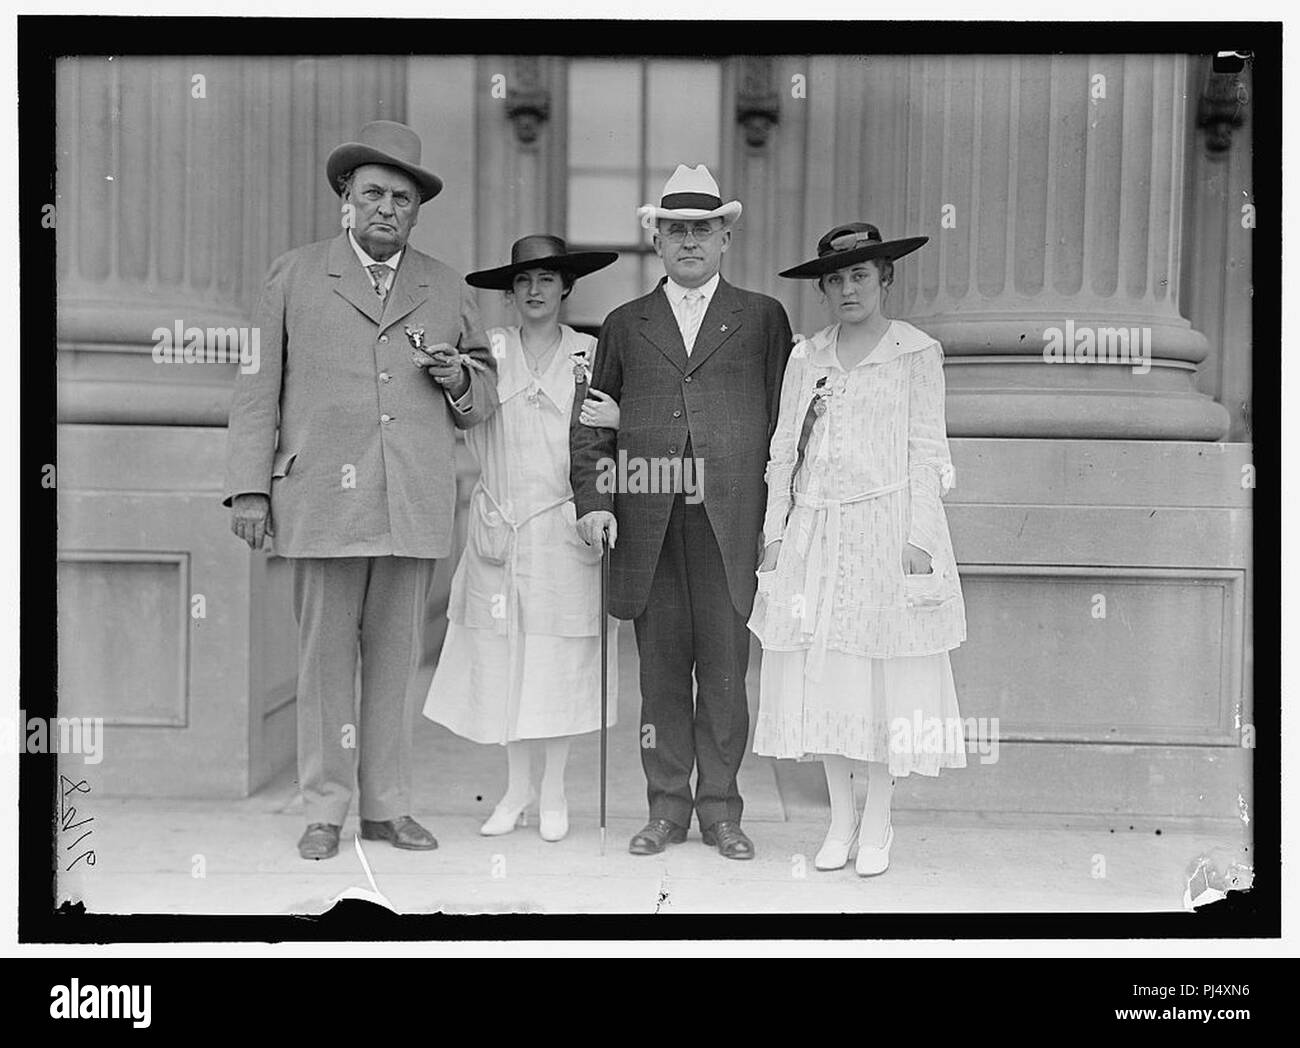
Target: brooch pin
x: 416, y: 337
x: 723, y: 328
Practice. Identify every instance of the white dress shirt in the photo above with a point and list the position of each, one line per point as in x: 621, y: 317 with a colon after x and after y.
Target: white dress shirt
x: 677, y: 299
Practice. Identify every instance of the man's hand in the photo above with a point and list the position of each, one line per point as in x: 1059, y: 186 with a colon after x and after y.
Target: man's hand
x: 250, y: 518
x: 916, y: 561
x: 593, y: 523
x: 442, y: 362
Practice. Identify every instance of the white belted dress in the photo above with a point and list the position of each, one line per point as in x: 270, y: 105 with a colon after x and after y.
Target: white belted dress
x: 855, y: 652
x: 521, y: 659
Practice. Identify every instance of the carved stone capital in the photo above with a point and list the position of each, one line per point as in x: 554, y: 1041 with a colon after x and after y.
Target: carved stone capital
x: 1221, y: 109
x: 528, y: 102
x: 758, y: 104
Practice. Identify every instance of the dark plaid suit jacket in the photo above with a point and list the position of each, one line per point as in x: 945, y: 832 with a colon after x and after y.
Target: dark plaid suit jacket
x: 724, y: 397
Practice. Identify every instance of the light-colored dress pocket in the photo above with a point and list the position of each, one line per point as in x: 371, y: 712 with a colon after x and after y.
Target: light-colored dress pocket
x: 490, y: 533
x: 931, y: 589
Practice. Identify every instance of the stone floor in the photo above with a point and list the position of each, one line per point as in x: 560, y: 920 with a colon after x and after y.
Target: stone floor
x: 157, y: 855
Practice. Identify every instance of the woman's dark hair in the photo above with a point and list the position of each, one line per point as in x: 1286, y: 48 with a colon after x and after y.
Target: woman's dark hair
x: 567, y: 280
x: 884, y: 270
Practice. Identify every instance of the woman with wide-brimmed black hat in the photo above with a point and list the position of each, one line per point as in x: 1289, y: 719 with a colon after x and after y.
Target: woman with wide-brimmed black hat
x: 520, y: 665
x: 858, y: 597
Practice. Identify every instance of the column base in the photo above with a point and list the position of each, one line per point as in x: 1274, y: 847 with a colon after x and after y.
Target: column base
x: 1008, y: 396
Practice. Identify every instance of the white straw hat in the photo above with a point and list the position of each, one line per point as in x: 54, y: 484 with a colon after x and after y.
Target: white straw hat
x: 690, y: 193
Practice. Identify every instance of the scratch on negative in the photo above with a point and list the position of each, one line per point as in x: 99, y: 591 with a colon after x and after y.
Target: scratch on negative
x: 663, y: 893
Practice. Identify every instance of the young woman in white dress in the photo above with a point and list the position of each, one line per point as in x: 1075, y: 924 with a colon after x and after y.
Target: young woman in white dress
x: 520, y: 665
x: 858, y: 598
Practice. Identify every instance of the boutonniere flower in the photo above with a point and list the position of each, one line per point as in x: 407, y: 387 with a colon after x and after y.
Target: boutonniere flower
x: 415, y: 336
x: 581, y: 367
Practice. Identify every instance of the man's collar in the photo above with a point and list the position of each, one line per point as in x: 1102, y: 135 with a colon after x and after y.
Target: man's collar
x: 676, y: 292
x: 366, y: 260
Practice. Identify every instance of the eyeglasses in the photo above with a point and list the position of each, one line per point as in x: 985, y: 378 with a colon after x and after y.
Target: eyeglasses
x: 699, y: 231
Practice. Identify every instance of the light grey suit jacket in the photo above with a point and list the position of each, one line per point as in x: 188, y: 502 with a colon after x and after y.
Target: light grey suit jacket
x: 354, y: 443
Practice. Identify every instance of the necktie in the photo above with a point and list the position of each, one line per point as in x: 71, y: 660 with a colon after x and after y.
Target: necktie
x: 379, y: 276
x: 692, y: 314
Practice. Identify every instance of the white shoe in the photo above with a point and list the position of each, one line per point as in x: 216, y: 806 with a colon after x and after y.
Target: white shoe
x: 554, y: 825
x: 504, y: 820
x: 834, y: 853
x: 874, y: 859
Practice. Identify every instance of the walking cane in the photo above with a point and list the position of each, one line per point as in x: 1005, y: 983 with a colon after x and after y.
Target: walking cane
x: 582, y: 383
x: 604, y: 673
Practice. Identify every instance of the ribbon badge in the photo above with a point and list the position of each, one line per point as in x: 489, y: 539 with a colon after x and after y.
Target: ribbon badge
x: 820, y: 396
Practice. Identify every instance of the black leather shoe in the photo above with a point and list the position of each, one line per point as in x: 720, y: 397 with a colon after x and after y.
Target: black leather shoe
x: 729, y: 839
x: 320, y: 841
x: 655, y: 836
x: 403, y: 832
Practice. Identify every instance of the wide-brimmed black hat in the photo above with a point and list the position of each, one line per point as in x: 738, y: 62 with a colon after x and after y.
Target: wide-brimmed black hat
x: 849, y: 244
x: 383, y: 142
x: 541, y: 251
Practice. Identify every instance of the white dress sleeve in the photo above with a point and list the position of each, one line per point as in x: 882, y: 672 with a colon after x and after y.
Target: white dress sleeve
x: 784, y: 446
x: 930, y: 472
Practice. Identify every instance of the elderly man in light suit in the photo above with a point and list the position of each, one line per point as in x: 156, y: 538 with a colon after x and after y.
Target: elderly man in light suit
x: 342, y: 446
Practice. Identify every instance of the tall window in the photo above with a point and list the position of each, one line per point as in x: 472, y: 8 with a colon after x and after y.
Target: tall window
x: 631, y: 122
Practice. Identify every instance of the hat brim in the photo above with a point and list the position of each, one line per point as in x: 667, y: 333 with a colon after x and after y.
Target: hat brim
x: 652, y: 213
x: 888, y: 249
x: 575, y: 263
x: 351, y: 155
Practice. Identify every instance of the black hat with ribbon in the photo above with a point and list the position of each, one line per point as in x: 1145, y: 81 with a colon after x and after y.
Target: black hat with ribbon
x: 541, y: 251
x: 849, y: 244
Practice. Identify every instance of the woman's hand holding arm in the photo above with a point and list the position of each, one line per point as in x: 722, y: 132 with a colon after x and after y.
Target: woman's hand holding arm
x: 599, y: 410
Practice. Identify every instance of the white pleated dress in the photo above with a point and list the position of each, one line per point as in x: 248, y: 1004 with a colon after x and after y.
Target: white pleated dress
x: 855, y: 653
x: 521, y: 659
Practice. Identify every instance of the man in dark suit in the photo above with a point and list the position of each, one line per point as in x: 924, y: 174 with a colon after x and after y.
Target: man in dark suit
x: 696, y: 367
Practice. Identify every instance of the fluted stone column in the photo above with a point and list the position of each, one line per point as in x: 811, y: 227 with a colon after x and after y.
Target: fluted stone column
x: 1052, y: 189
x: 179, y: 180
